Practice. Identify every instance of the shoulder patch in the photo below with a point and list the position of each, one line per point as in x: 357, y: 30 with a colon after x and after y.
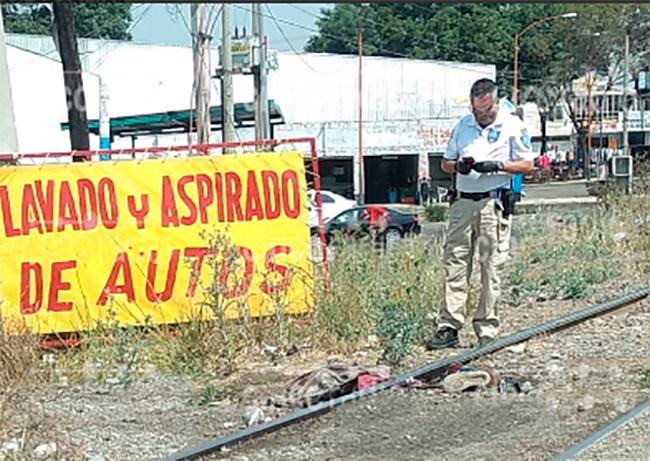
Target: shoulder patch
x: 493, y: 135
x: 525, y: 138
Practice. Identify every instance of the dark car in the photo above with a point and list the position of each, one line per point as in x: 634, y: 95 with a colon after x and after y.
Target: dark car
x: 389, y: 225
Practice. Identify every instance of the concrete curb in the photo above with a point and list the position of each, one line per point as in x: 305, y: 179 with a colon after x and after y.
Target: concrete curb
x: 555, y: 204
x: 526, y: 206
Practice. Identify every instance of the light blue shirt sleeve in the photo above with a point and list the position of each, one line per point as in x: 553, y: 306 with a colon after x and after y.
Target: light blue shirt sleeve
x: 452, y: 152
x: 520, y: 145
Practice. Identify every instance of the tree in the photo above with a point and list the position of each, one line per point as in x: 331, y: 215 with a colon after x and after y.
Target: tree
x: 75, y: 97
x: 92, y: 20
x: 452, y: 32
x: 551, y: 54
x: 597, y: 47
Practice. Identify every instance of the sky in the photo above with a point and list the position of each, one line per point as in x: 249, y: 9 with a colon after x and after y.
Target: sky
x: 167, y: 23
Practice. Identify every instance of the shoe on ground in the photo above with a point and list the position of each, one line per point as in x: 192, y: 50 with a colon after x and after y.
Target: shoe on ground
x: 466, y: 380
x: 446, y: 337
x: 484, y: 341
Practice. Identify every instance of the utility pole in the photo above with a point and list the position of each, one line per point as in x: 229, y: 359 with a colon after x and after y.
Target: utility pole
x: 587, y: 159
x: 8, y: 136
x: 104, y: 120
x: 358, y: 162
x: 227, y: 99
x: 201, y: 53
x: 515, y: 72
x: 74, y: 90
x: 626, y: 146
x: 625, y: 74
x: 262, y: 130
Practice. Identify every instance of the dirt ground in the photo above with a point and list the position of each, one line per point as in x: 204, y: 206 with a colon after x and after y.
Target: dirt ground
x: 578, y: 379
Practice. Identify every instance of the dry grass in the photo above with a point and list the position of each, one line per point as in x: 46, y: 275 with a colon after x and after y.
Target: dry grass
x: 25, y: 366
x: 568, y: 256
x: 19, y: 361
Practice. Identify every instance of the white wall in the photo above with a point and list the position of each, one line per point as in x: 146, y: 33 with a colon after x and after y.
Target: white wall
x: 40, y: 103
x: 8, y: 136
x: 311, y: 89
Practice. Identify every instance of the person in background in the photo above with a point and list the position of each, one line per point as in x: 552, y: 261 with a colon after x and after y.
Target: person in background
x: 424, y: 192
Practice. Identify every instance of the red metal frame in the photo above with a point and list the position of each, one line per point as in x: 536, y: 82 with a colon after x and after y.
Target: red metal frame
x: 203, y: 148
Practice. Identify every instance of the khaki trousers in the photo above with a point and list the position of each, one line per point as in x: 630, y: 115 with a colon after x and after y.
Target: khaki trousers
x: 474, y: 224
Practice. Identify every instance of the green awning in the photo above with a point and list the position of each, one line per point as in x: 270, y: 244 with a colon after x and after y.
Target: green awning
x: 179, y: 121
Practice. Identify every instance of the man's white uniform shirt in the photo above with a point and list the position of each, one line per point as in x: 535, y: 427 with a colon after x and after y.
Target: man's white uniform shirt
x: 506, y: 139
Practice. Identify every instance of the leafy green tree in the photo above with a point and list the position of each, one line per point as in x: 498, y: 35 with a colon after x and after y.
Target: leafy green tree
x: 552, y: 54
x: 92, y: 20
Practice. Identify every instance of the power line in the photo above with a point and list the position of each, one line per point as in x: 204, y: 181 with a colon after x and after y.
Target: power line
x: 425, y: 41
x: 275, y: 21
x: 130, y: 29
x: 48, y: 54
x: 375, y: 23
x: 180, y: 13
x: 352, y: 42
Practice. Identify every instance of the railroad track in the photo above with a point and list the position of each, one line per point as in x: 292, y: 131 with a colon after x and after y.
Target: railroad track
x: 606, y: 431
x: 425, y: 372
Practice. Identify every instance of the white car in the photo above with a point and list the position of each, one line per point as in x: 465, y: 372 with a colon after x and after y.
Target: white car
x: 333, y: 204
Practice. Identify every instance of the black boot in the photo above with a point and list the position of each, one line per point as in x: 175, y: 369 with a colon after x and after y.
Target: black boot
x: 446, y: 337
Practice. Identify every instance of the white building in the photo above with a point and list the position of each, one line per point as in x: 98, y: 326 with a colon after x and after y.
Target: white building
x: 408, y: 105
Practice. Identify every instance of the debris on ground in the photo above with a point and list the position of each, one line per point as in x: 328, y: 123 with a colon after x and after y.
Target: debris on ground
x: 45, y: 450
x: 510, y: 384
x: 466, y: 379
x: 253, y: 415
x: 327, y: 382
x: 10, y: 446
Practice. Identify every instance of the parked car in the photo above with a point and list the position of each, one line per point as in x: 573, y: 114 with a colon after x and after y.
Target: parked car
x: 333, y: 204
x: 391, y: 225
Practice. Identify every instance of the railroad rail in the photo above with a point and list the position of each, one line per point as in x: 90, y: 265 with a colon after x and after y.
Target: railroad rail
x: 604, y: 432
x: 428, y: 371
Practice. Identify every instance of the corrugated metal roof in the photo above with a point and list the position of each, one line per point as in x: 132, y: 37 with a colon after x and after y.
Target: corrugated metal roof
x: 311, y: 89
x: 308, y: 86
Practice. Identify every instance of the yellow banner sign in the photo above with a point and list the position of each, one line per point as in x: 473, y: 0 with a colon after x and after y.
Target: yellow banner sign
x: 156, y: 241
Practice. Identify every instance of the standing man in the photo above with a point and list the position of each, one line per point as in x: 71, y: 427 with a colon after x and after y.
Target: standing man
x: 486, y: 148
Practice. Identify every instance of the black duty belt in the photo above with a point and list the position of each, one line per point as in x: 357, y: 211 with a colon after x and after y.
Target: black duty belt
x: 476, y: 196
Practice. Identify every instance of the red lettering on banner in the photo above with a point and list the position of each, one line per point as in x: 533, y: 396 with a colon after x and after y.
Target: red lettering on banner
x: 121, y: 265
x: 253, y: 204
x: 199, y: 253
x: 187, y: 200
x: 46, y: 203
x: 245, y: 283
x: 218, y: 186
x: 233, y: 197
x: 169, y: 214
x: 57, y: 284
x: 27, y: 306
x: 138, y: 214
x: 206, y: 195
x: 291, y: 210
x: 30, y: 218
x: 106, y: 194
x: 67, y: 209
x: 271, y: 187
x: 10, y: 230
x: 87, y: 204
x: 170, y: 280
x: 270, y: 265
